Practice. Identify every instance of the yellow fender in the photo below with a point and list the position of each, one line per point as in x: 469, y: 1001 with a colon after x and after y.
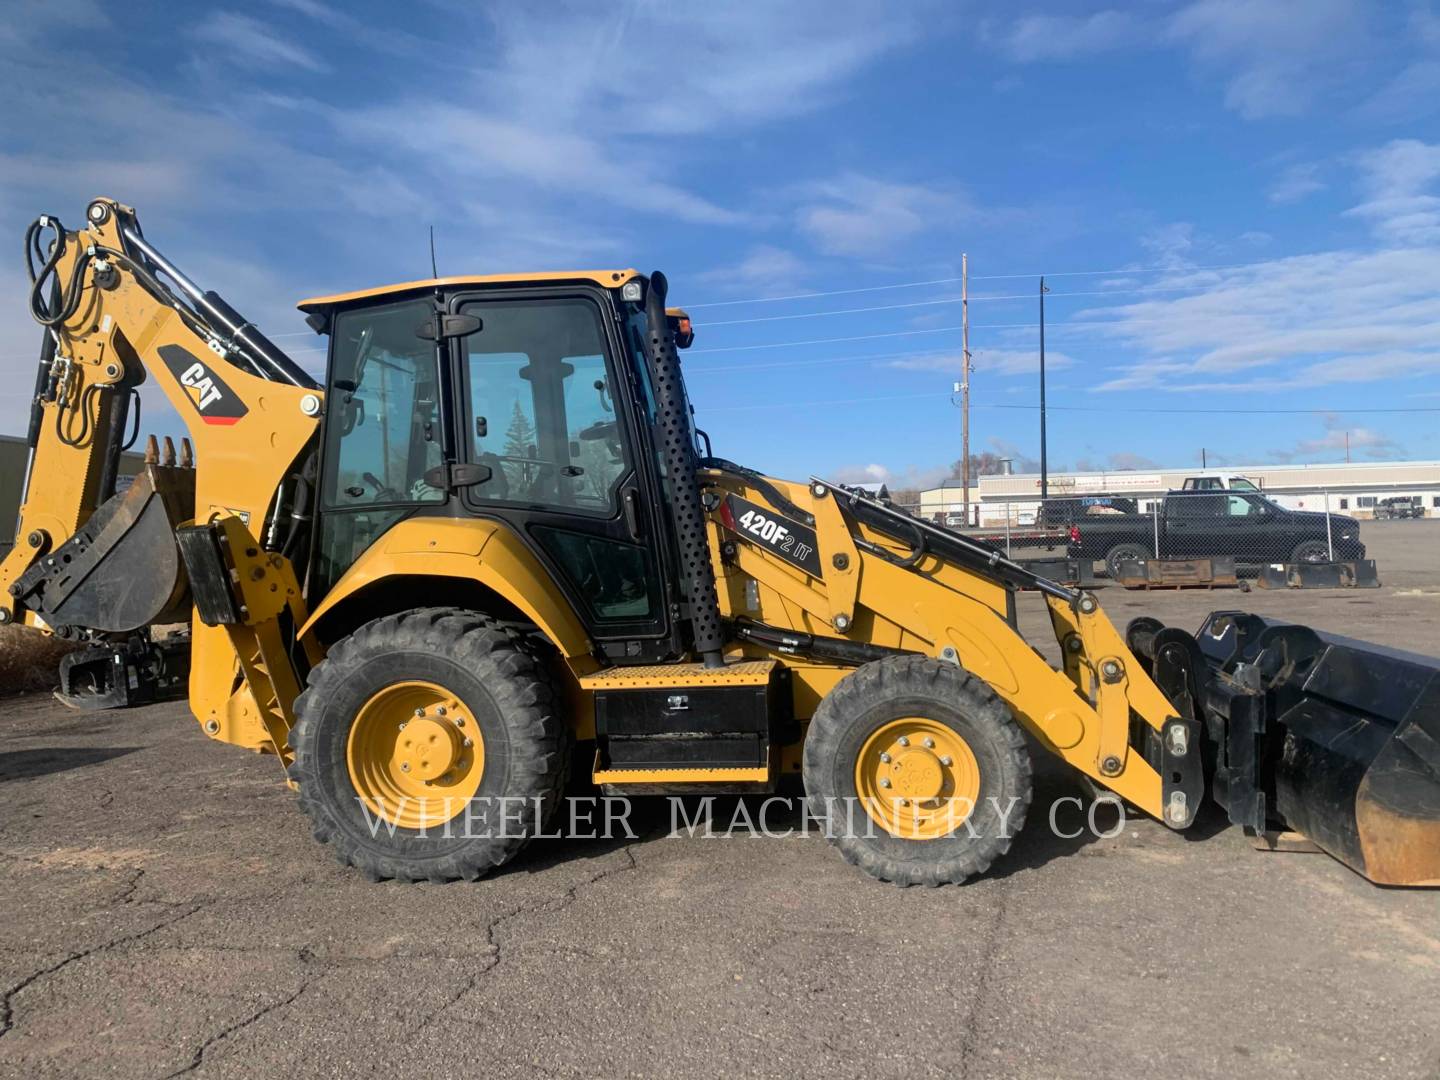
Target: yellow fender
x: 474, y: 549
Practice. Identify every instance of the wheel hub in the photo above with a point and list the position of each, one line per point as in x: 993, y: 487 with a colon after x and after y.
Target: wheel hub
x: 415, y: 754
x: 917, y: 778
x: 427, y: 749
x: 916, y: 774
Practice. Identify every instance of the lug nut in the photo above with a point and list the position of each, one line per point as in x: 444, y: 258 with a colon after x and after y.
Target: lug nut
x: 419, y: 712
x: 885, y: 757
x: 884, y: 781
x: 466, y: 742
x: 459, y: 721
x: 440, y: 710
x: 946, y: 760
x: 402, y: 725
x: 928, y: 743
x: 904, y: 740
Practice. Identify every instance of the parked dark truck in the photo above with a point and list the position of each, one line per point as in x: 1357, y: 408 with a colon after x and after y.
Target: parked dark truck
x: 1197, y: 525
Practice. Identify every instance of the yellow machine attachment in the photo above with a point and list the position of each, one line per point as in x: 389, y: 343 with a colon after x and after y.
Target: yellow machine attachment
x: 103, y: 566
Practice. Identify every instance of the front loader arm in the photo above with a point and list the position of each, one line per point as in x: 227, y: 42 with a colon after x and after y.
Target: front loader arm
x: 894, y: 583
x: 111, y: 323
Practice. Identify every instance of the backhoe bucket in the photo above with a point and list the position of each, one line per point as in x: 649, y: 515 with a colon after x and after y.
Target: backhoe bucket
x: 1333, y: 738
x: 120, y: 571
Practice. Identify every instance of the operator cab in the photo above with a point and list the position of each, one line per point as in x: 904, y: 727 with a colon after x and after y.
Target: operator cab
x: 527, y: 400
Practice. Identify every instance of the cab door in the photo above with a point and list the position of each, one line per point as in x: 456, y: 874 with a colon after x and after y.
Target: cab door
x: 547, y: 405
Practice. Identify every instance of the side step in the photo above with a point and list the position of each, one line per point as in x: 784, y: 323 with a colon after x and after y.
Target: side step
x: 687, y: 727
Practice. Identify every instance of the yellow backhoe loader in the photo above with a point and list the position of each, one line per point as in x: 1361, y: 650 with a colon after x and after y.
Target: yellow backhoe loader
x: 493, y: 536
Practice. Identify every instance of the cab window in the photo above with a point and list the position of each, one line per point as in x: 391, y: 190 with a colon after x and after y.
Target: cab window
x: 384, y: 430
x: 542, y: 407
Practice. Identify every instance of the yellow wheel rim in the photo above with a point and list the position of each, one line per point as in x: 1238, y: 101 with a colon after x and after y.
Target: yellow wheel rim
x: 415, y: 755
x: 917, y: 778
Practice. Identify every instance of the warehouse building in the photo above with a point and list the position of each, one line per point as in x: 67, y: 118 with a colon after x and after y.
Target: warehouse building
x: 1354, y: 488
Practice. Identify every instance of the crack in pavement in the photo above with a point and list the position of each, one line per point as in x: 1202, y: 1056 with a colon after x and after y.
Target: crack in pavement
x: 198, y: 1058
x: 7, y: 1000
x: 550, y: 906
x: 969, y: 1036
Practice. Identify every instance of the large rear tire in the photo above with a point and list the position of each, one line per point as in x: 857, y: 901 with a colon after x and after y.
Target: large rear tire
x: 918, y: 771
x: 428, y: 746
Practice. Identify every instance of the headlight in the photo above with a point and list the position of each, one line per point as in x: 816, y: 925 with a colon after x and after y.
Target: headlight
x: 633, y: 291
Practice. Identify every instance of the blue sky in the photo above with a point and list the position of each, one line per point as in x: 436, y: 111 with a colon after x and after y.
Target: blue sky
x: 1237, y: 204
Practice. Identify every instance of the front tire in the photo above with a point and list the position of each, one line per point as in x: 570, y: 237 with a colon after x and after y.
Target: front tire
x: 918, y: 770
x: 1311, y: 551
x: 428, y: 746
x: 1122, y: 553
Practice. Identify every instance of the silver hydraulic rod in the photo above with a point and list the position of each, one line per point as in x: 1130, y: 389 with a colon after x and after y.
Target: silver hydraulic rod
x: 266, y: 355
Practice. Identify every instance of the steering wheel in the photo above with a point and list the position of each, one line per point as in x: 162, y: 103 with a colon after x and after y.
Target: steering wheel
x: 383, y: 493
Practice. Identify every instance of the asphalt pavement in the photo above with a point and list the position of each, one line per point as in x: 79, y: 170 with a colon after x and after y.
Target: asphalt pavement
x: 166, y: 912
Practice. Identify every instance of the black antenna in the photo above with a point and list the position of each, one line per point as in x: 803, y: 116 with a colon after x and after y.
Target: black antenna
x: 434, y: 272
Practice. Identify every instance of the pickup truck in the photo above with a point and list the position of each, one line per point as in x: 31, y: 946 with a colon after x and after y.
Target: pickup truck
x: 1200, y: 524
x: 1400, y: 506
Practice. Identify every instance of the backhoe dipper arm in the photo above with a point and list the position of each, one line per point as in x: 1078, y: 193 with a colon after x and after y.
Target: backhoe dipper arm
x: 110, y: 322
x: 879, y: 576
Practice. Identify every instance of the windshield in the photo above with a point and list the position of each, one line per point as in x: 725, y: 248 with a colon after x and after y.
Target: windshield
x: 1239, y: 483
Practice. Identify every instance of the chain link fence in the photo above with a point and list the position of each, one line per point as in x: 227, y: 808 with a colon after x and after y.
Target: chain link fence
x: 1247, y: 527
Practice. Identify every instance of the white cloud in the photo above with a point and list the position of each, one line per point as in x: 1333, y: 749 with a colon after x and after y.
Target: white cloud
x: 1396, y: 179
x: 856, y: 215
x: 1333, y: 317
x: 1412, y: 93
x: 1340, y: 438
x: 1064, y: 37
x: 1170, y: 245
x: 241, y: 38
x: 905, y: 478
x: 1274, y: 57
x: 1296, y: 182
x: 765, y: 266
x: 458, y: 142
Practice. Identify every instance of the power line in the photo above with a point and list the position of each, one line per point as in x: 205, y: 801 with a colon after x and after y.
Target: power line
x: 1127, y: 270
x: 1222, y: 412
x: 949, y: 300
x: 831, y: 292
x: 973, y: 277
x: 1069, y: 408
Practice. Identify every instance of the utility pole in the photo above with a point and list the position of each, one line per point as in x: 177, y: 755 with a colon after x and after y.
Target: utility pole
x: 1202, y: 458
x: 965, y: 380
x: 1347, y: 448
x: 1044, y: 461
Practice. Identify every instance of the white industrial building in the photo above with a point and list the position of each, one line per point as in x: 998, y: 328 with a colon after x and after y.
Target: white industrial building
x: 1349, y: 487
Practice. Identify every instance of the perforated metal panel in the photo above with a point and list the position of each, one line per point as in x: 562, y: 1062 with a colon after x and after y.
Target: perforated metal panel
x: 674, y: 424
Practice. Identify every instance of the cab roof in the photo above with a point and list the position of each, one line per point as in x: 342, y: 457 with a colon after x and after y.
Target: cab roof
x: 610, y: 279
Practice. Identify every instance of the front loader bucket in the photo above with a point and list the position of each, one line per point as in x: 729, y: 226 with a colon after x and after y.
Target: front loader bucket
x: 1333, y: 738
